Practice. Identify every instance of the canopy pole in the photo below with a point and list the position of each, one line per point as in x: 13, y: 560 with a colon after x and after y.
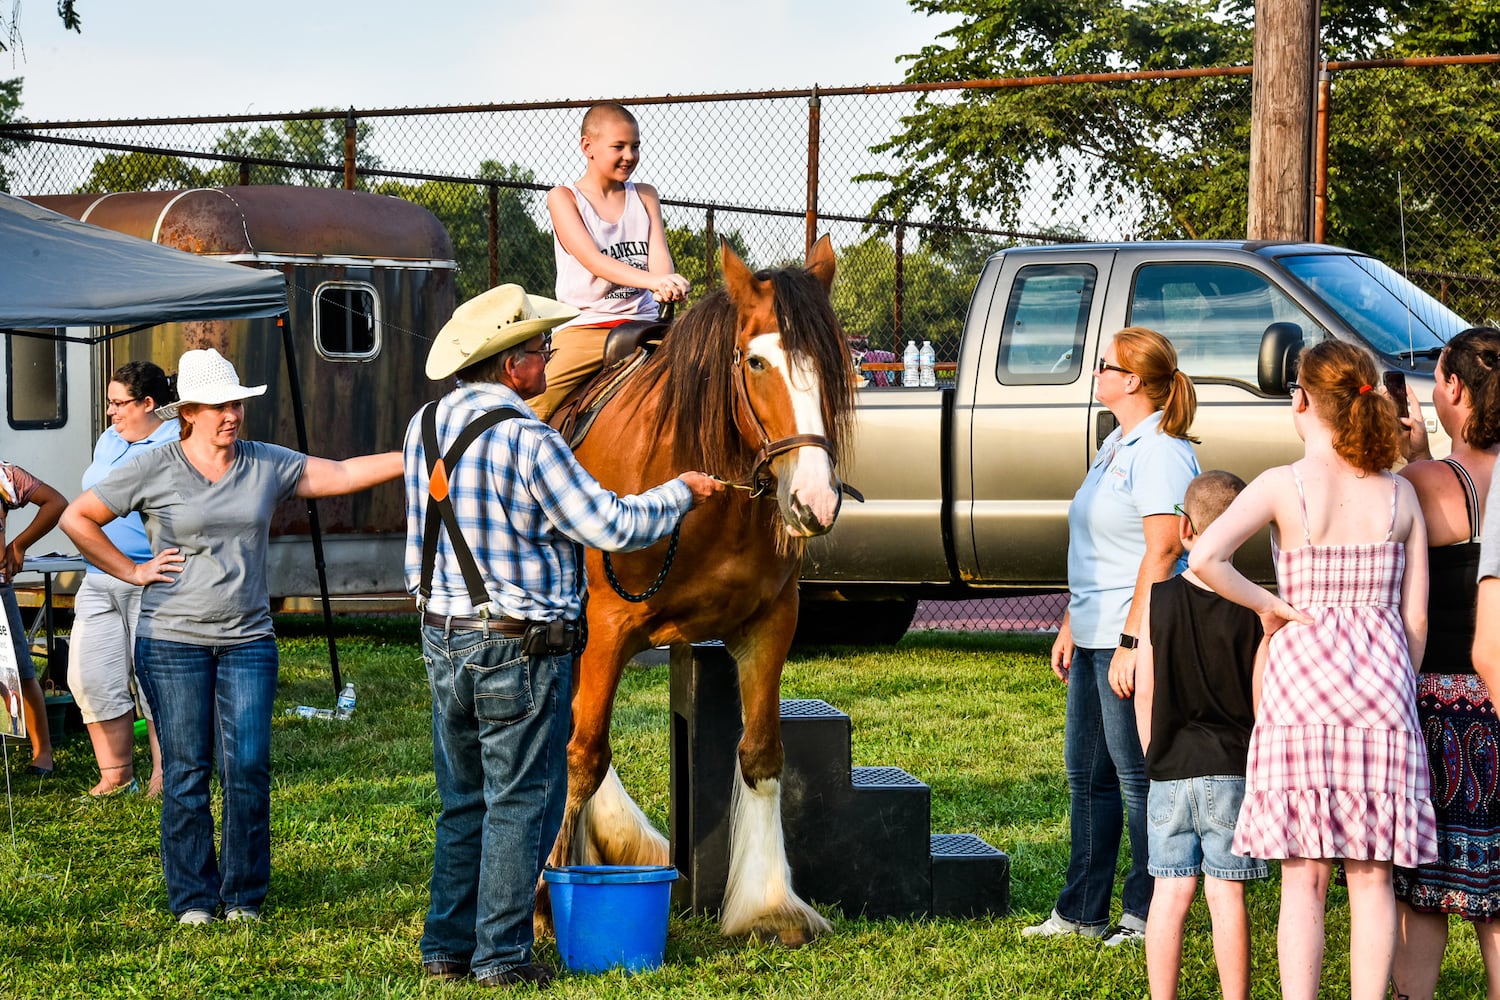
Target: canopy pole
x: 312, y: 505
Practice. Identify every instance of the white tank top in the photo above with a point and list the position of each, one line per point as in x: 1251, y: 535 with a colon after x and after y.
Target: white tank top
x: 599, y: 301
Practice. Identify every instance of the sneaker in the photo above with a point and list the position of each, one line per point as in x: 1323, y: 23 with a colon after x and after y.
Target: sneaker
x: 196, y: 917
x: 1056, y: 926
x: 246, y: 913
x: 1128, y: 931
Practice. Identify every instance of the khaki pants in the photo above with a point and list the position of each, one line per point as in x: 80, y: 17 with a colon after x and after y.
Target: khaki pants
x: 580, y: 355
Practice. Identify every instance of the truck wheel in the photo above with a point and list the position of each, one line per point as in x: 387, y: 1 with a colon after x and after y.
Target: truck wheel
x: 854, y: 623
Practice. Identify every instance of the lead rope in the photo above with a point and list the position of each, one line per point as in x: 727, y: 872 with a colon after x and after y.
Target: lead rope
x: 661, y: 578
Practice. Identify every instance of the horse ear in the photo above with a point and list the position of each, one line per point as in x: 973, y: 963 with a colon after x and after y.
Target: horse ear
x: 738, y: 279
x: 820, y: 262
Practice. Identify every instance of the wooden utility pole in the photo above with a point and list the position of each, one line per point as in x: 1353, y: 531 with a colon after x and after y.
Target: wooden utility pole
x: 1281, y: 119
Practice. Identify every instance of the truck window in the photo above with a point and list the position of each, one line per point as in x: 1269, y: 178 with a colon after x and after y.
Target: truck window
x: 1045, y: 322
x: 1214, y: 314
x: 36, y: 387
x: 346, y: 320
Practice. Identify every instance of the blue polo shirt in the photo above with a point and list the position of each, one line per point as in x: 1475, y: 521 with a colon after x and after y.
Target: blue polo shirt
x: 1134, y: 476
x: 111, y: 452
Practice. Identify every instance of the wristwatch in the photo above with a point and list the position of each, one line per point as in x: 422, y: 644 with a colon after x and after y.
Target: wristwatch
x: 1128, y: 641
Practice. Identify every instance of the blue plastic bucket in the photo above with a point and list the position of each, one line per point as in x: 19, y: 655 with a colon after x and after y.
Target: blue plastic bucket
x: 610, y: 916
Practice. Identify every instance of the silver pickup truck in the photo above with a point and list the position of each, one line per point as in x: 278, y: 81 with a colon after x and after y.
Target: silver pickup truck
x: 967, y: 485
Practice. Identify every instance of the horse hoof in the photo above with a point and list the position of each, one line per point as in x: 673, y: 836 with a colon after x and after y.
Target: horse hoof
x: 787, y: 937
x: 793, y: 937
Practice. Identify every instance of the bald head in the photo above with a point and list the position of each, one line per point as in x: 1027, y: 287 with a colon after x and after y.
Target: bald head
x: 601, y: 115
x: 1209, y: 495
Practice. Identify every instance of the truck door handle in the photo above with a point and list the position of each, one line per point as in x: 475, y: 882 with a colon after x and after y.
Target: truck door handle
x: 1105, y: 426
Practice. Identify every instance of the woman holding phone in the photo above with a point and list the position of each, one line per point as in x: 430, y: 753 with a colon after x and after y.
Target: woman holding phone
x: 1454, y: 704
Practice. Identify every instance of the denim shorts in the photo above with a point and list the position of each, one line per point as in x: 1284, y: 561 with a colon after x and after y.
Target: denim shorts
x: 1191, y: 829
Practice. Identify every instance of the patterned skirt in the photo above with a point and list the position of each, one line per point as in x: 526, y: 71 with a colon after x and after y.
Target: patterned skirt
x: 1462, y: 735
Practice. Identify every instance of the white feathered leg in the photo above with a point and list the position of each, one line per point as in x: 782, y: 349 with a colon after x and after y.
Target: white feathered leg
x: 612, y: 830
x: 758, y: 898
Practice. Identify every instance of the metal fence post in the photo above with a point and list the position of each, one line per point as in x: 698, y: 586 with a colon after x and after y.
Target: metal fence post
x: 494, y: 227
x: 349, y: 150
x: 814, y: 129
x: 1320, y: 152
x: 710, y: 245
x: 900, y: 306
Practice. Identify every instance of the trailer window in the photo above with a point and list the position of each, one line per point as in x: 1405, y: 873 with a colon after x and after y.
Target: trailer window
x: 36, y: 387
x: 1045, y: 321
x: 346, y: 320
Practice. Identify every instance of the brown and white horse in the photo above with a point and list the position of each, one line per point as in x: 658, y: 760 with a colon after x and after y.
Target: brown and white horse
x: 752, y: 384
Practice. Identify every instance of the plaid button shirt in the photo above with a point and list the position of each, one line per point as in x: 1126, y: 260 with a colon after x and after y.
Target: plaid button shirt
x: 522, y: 499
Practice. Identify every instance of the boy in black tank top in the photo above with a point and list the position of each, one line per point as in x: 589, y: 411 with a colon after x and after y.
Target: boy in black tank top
x: 1196, y: 668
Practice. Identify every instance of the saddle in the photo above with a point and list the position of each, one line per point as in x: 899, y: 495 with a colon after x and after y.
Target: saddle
x: 625, y: 349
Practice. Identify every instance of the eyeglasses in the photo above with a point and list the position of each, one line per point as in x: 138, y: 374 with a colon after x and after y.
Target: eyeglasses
x: 547, y: 352
x: 118, y: 404
x: 1291, y: 387
x: 1104, y: 366
x: 1177, y: 509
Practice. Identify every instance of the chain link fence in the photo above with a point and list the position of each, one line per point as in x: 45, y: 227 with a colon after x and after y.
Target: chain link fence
x: 1408, y: 157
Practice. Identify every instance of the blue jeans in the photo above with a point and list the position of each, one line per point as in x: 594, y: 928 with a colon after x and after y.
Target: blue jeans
x: 207, y: 699
x: 1102, y: 754
x: 500, y: 722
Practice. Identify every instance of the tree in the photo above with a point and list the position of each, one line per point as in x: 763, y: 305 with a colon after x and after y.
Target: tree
x: 935, y: 289
x: 524, y: 251
x: 317, y: 140
x: 1175, y: 153
x: 1179, y: 148
x: 10, y: 103
x: 690, y: 254
x: 10, y: 27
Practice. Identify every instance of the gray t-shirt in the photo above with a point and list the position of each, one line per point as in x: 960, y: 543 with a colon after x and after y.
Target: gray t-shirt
x: 223, y: 529
x: 1489, y: 534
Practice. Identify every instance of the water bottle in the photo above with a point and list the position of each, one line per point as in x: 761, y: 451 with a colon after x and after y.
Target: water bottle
x: 303, y: 712
x: 927, y: 365
x: 346, y: 702
x: 912, y: 362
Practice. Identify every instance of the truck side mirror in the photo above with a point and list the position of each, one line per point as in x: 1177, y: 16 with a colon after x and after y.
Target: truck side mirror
x: 1277, y: 364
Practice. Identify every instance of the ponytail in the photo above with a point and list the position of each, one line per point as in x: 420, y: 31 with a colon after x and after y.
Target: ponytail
x: 1339, y: 377
x: 1152, y: 358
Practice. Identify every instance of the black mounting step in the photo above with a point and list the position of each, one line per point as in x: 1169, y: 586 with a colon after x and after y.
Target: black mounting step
x: 858, y: 837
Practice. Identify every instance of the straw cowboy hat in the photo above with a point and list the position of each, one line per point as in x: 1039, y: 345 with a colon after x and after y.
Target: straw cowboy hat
x: 487, y: 324
x: 207, y: 376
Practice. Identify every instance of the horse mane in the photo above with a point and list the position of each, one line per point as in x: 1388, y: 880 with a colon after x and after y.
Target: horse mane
x: 695, y: 365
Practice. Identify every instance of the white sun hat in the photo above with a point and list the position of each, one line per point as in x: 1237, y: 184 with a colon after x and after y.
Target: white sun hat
x: 207, y: 376
x: 490, y: 322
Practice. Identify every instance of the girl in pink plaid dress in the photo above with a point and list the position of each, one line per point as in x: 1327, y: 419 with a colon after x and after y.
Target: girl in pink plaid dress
x: 1337, y: 770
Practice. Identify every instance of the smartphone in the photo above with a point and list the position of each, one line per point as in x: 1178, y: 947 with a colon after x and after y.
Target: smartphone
x: 1395, y: 384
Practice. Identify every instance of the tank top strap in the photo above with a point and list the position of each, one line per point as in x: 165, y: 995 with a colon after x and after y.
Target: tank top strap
x: 1302, y: 504
x: 1390, y: 531
x: 1471, y: 496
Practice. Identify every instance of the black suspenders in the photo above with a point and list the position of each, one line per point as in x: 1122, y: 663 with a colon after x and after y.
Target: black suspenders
x: 440, y: 505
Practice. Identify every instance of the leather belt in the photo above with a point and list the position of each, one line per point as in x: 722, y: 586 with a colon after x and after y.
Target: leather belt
x: 513, y: 628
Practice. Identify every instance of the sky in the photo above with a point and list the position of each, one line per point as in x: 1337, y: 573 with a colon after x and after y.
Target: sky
x: 177, y: 58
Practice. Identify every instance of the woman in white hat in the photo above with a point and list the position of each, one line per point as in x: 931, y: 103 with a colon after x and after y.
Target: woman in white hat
x: 205, y: 648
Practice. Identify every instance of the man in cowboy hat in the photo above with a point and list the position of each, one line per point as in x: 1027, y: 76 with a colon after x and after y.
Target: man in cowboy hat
x: 501, y: 598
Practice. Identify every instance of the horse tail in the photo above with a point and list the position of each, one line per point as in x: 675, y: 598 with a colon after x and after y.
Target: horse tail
x: 612, y: 829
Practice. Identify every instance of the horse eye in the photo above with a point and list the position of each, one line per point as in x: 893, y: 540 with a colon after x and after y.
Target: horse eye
x: 757, y: 364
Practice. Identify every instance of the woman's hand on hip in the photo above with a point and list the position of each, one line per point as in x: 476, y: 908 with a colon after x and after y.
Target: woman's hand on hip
x: 158, y: 568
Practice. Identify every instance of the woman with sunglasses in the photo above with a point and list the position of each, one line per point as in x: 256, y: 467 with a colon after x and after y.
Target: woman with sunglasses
x: 1337, y: 771
x: 101, y: 656
x: 1454, y: 702
x: 1122, y: 538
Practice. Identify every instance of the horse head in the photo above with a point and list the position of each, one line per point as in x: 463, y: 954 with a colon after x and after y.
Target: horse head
x: 792, y: 384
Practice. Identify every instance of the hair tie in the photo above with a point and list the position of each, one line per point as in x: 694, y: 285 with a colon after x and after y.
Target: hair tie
x: 1365, y: 388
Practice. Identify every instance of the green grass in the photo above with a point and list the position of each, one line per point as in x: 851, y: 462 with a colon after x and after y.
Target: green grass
x: 83, y: 908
